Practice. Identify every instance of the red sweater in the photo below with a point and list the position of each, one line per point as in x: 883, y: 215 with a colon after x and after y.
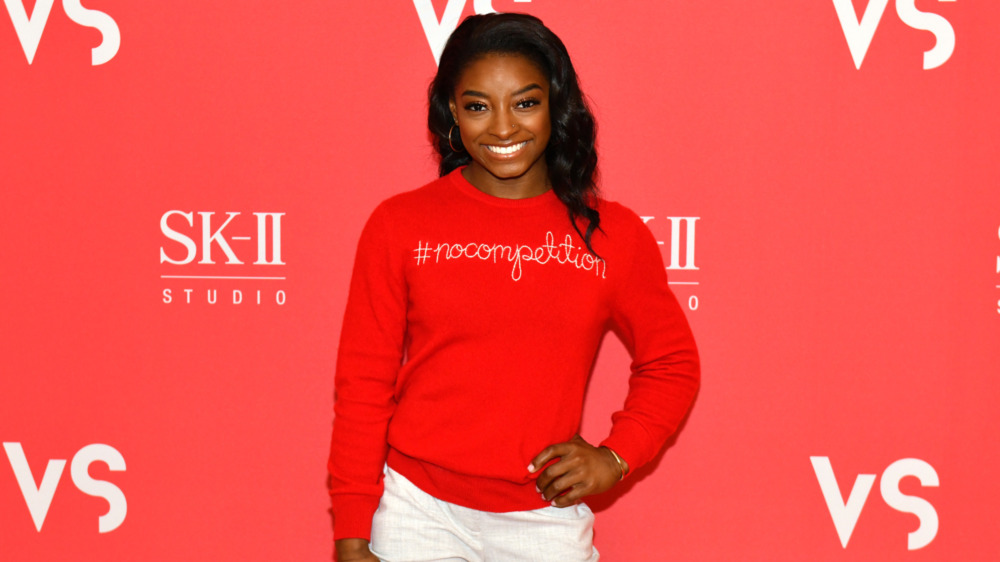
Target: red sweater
x: 470, y: 330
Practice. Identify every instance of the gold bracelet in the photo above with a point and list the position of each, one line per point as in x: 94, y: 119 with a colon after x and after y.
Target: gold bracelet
x: 621, y: 463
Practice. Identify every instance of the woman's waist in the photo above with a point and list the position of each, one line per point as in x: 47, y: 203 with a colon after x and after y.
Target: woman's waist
x: 515, y: 492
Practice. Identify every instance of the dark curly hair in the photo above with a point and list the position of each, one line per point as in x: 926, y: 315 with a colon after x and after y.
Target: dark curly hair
x: 570, y: 154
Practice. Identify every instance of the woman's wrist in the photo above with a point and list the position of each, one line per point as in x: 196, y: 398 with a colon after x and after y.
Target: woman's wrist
x: 352, y: 549
x: 623, y: 468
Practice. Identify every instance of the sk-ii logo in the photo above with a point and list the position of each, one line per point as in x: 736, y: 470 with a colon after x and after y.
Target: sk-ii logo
x: 680, y: 227
x: 210, y: 237
x: 39, y: 497
x: 248, y: 242
x: 438, y: 31
x: 29, y: 29
x: 845, y: 513
x: 860, y: 31
x: 682, y: 246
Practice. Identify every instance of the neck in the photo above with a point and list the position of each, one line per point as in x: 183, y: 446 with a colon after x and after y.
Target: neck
x: 532, y: 183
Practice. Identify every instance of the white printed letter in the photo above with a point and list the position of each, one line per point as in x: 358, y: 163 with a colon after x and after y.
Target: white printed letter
x: 845, y: 515
x: 920, y: 507
x: 942, y: 30
x: 207, y: 237
x: 29, y: 30
x: 38, y: 499
x: 275, y: 239
x: 117, y: 505
x: 177, y: 237
x: 484, y: 6
x: 675, y: 242
x: 438, y: 32
x: 101, y: 22
x: 859, y: 32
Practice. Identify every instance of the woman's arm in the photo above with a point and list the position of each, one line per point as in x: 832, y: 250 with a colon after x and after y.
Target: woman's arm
x: 665, y: 370
x: 368, y: 361
x: 665, y: 374
x: 354, y: 550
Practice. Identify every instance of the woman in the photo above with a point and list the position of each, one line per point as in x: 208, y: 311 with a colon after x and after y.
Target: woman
x: 476, y: 307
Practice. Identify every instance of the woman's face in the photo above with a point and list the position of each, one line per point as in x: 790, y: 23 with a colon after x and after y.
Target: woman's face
x: 501, y: 106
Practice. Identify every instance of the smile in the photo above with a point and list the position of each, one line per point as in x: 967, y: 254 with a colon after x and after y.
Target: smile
x: 505, y: 150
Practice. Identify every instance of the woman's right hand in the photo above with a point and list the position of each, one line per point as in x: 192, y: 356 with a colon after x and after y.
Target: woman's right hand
x: 354, y: 550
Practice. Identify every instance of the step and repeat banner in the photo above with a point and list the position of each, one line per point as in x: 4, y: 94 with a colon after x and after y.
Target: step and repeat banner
x: 184, y: 184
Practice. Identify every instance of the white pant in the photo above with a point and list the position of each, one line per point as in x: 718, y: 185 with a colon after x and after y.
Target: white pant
x: 413, y: 526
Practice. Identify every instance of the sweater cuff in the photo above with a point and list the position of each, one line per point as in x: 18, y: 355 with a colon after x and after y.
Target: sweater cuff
x: 630, y: 441
x: 352, y: 516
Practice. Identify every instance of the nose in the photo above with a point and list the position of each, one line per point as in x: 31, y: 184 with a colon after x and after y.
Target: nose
x: 503, y: 124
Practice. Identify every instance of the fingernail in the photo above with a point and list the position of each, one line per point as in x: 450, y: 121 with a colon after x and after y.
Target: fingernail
x: 531, y: 467
x: 554, y: 503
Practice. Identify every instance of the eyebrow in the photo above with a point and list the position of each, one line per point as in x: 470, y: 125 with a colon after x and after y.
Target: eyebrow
x: 478, y: 94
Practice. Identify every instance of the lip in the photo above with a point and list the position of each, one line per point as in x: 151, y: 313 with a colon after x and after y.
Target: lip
x: 504, y: 152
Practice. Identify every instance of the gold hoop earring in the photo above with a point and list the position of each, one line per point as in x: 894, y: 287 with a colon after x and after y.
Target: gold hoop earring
x: 450, y: 145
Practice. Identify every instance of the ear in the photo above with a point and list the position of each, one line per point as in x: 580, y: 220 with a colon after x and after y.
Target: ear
x: 454, y: 109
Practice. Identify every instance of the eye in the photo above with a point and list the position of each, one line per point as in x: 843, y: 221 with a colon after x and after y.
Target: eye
x: 475, y: 106
x: 527, y: 103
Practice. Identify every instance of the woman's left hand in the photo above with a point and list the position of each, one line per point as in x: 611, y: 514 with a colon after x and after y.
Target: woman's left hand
x: 582, y: 470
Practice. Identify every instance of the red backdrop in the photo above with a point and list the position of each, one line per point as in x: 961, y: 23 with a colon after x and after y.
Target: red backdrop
x: 837, y: 244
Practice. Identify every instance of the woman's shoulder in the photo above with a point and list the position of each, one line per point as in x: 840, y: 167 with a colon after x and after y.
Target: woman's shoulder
x: 419, y: 199
x: 410, y: 210
x: 617, y: 216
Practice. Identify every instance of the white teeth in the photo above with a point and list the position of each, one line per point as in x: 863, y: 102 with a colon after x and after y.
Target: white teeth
x: 506, y: 149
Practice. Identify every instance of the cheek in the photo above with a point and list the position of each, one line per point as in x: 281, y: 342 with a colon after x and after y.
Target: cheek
x: 468, y: 135
x: 542, y: 123
x: 471, y: 126
x: 542, y: 126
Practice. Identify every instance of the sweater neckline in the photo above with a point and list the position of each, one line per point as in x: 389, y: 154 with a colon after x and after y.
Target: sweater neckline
x: 547, y: 199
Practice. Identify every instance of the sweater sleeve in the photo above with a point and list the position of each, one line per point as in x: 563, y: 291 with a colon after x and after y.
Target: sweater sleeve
x: 368, y: 360
x: 665, y: 372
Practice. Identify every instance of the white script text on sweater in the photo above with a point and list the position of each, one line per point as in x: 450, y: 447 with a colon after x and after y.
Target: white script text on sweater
x: 549, y: 252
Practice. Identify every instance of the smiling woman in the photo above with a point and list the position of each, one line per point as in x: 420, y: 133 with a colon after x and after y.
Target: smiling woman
x: 467, y: 341
x: 501, y: 108
x: 570, y: 154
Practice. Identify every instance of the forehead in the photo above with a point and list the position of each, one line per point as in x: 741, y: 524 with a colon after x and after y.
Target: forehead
x: 498, y: 73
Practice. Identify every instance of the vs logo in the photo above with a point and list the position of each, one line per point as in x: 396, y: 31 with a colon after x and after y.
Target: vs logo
x: 39, y: 497
x: 860, y: 31
x: 29, y: 29
x: 437, y: 32
x: 845, y: 513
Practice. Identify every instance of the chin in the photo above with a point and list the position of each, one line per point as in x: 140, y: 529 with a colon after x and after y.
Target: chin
x: 508, y: 170
x: 508, y: 173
